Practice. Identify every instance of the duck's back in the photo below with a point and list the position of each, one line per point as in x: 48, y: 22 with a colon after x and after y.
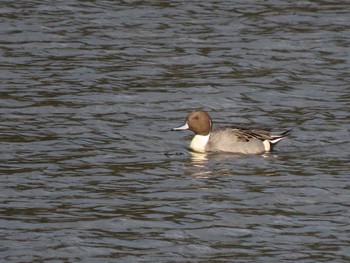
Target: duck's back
x: 233, y: 140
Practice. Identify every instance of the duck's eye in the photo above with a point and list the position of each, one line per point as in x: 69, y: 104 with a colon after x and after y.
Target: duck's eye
x: 196, y: 118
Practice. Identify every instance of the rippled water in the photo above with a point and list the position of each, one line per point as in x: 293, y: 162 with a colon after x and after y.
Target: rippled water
x: 90, y: 171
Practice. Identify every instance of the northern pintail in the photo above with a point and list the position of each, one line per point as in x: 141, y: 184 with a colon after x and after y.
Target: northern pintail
x: 228, y: 139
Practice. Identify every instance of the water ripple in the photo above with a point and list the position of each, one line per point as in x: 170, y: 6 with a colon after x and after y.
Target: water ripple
x: 90, y: 170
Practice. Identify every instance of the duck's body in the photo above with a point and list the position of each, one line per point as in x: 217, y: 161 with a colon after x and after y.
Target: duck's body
x: 230, y: 139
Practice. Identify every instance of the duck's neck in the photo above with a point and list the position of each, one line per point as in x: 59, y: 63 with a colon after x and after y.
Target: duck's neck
x: 199, y: 142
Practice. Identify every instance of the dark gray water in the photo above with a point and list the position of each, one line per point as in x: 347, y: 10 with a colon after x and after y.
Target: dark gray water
x: 90, y: 171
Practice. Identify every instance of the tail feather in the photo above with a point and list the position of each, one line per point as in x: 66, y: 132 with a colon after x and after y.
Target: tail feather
x: 277, y: 138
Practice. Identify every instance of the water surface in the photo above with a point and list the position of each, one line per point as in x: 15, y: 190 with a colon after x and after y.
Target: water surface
x: 90, y: 171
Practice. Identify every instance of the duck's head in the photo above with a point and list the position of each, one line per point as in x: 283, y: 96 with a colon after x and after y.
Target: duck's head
x: 197, y: 121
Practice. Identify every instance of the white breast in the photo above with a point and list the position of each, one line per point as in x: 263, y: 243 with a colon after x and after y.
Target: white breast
x: 199, y: 142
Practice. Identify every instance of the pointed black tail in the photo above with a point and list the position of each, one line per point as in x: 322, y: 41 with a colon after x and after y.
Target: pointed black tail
x: 277, y: 138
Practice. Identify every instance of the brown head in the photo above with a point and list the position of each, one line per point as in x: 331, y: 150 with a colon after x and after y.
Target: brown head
x: 197, y: 121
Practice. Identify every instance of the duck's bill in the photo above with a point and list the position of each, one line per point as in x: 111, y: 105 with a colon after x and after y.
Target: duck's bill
x: 184, y: 127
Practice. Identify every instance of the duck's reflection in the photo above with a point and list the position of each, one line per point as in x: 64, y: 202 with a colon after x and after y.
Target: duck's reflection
x: 199, y: 163
x: 202, y: 158
x: 198, y: 158
x: 205, y: 165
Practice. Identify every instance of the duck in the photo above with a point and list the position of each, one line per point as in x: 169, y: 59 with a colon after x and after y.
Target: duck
x: 228, y: 139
